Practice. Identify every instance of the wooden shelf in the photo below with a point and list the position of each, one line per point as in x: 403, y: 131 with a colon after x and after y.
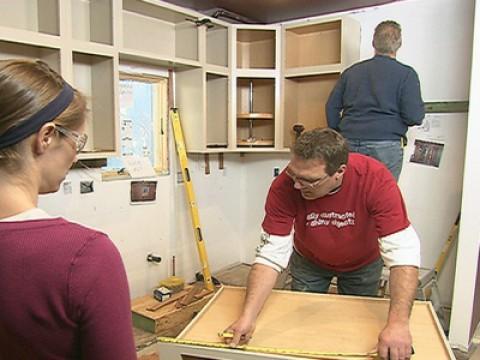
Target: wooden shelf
x: 255, y: 116
x: 255, y: 143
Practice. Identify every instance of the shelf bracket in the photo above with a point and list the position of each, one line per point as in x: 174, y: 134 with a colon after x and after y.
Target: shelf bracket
x: 220, y: 161
x: 207, y: 163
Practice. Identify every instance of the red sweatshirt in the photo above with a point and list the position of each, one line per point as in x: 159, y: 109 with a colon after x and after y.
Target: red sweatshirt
x: 63, y: 293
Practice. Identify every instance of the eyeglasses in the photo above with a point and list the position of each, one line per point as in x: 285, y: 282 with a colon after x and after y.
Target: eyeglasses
x: 306, y: 183
x: 80, y: 140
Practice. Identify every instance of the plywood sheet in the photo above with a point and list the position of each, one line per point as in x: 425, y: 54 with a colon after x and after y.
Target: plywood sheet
x: 317, y: 322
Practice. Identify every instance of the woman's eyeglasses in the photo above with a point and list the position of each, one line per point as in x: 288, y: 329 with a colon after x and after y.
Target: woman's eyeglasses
x: 306, y: 183
x: 80, y: 140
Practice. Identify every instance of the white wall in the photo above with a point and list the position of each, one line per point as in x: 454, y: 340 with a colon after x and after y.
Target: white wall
x: 165, y: 226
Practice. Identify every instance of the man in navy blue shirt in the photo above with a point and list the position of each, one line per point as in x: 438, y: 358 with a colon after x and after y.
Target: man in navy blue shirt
x: 376, y: 100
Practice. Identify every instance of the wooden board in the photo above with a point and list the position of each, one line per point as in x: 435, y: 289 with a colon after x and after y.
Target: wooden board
x: 311, y: 322
x: 168, y: 320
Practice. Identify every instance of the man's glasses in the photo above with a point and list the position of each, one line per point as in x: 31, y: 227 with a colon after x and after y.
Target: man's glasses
x: 306, y: 183
x: 80, y: 140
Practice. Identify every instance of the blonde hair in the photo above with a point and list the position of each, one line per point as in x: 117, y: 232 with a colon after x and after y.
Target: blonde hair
x: 26, y: 87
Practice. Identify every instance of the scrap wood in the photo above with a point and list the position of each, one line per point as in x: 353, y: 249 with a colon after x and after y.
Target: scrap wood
x: 173, y: 299
x: 190, y: 296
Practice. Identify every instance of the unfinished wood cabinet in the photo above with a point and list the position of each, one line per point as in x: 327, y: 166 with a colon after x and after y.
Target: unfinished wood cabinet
x: 255, y: 112
x: 38, y: 16
x: 93, y: 21
x: 255, y: 87
x: 76, y: 38
x: 256, y: 48
x: 96, y: 77
x: 15, y: 50
x: 239, y: 88
x: 294, y: 325
x: 217, y: 48
x: 202, y: 100
x: 159, y: 32
x: 314, y: 55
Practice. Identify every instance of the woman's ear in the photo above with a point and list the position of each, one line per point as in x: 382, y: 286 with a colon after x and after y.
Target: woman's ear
x: 44, y: 138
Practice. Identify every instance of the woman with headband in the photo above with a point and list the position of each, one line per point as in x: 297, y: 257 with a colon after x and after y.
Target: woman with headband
x: 63, y: 288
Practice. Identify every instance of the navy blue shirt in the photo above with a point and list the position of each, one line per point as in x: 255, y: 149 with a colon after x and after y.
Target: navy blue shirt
x: 376, y: 99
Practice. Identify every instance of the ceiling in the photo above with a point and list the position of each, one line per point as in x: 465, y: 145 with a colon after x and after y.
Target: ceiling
x: 272, y: 11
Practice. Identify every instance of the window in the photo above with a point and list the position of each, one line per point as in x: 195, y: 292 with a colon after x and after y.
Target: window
x: 143, y: 120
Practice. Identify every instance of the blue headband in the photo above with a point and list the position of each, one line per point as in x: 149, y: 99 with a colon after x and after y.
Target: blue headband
x: 34, y: 123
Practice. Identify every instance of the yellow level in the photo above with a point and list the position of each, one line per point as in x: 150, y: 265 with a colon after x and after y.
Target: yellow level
x: 276, y: 351
x: 192, y: 204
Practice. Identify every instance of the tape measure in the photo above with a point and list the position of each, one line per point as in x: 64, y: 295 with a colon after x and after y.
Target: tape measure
x: 275, y: 351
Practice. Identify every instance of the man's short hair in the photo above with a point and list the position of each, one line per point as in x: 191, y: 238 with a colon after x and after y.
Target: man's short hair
x: 387, y: 38
x: 322, y: 144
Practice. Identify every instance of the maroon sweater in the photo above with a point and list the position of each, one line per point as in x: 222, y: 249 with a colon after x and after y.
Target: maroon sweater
x: 63, y: 293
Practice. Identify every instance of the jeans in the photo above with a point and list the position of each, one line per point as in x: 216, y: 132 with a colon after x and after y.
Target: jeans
x: 389, y: 152
x: 307, y: 276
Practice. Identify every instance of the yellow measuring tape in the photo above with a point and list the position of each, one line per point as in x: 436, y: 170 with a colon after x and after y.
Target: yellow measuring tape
x: 275, y: 351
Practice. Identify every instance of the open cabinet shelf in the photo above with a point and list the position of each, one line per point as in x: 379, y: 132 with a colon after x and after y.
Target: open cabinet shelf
x: 305, y: 99
x: 313, y: 45
x: 11, y: 50
x: 256, y: 49
x: 217, y: 111
x: 92, y: 21
x: 159, y: 31
x: 94, y: 75
x: 255, y: 112
x: 217, y: 45
x: 39, y: 16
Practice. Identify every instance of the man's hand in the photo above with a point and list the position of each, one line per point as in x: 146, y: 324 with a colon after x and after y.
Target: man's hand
x: 242, y: 331
x: 395, y: 342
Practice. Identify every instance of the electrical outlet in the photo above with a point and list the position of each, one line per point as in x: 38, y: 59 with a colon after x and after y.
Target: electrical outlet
x: 86, y: 186
x: 67, y: 187
x: 276, y: 171
x: 179, y: 177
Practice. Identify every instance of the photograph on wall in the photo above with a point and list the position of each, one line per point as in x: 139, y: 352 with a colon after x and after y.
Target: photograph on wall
x: 427, y: 153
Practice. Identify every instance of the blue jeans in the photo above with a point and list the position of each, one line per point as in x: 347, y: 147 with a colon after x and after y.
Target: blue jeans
x: 389, y: 152
x: 307, y: 276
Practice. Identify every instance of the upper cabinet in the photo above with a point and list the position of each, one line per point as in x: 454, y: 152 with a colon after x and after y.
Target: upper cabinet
x: 314, y: 55
x: 255, y: 87
x: 93, y: 21
x: 238, y: 88
x: 256, y: 48
x: 217, y: 48
x: 324, y: 46
x: 40, y: 16
x: 159, y: 32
